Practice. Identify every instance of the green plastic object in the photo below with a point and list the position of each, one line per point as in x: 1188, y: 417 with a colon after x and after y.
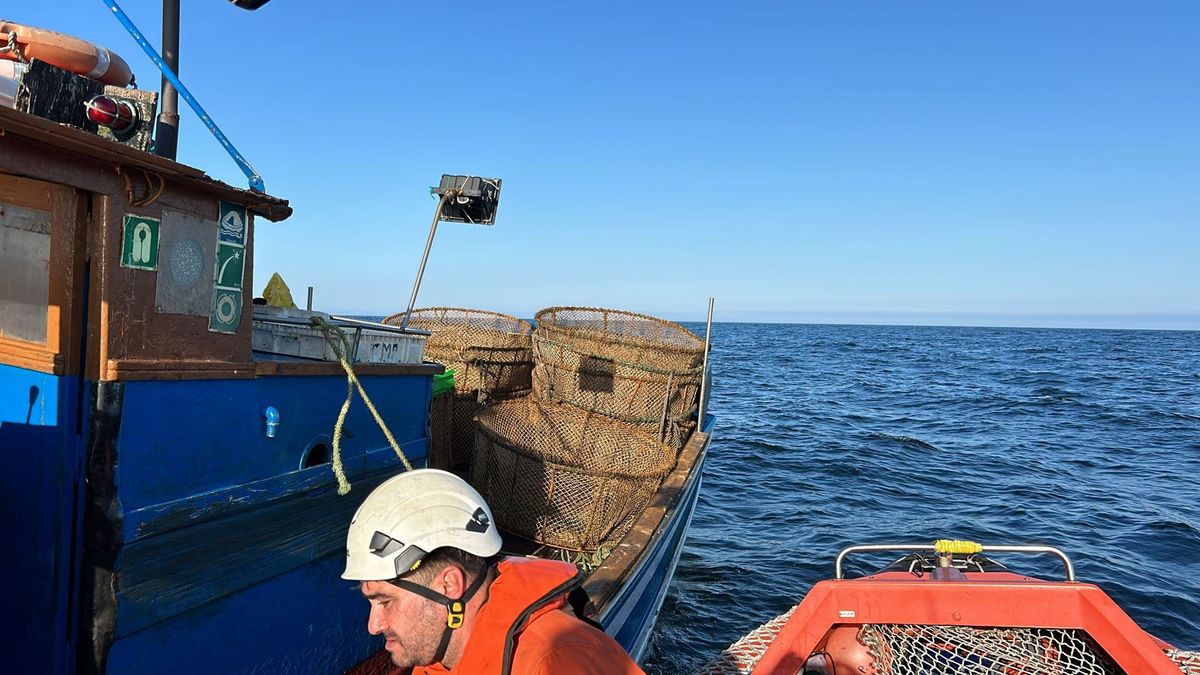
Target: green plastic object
x: 443, y: 383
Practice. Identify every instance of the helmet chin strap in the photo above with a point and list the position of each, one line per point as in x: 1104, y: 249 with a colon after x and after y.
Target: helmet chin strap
x: 455, y: 609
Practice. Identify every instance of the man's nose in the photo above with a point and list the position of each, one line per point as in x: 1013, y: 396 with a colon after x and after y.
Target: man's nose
x: 375, y: 622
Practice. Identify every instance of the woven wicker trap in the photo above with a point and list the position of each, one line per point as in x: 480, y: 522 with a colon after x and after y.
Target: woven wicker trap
x: 561, y: 477
x: 441, y: 432
x: 631, y: 367
x: 489, y: 352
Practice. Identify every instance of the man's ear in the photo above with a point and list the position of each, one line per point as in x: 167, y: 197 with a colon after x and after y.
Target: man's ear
x: 453, y: 580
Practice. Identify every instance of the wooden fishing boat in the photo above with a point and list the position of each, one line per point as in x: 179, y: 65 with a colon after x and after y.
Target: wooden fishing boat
x: 169, y: 501
x: 949, y: 609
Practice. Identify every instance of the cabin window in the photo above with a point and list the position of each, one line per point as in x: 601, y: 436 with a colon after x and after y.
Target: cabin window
x: 25, y: 260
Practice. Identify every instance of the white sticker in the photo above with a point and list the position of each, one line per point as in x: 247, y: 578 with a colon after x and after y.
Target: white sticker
x: 846, y: 613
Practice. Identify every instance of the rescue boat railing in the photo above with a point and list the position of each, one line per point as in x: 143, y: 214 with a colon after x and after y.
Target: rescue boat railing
x: 933, y: 548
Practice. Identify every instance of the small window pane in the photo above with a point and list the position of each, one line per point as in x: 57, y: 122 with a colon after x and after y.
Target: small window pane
x: 24, y: 272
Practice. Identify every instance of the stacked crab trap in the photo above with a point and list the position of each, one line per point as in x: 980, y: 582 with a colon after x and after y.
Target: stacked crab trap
x: 612, y: 398
x: 491, y: 356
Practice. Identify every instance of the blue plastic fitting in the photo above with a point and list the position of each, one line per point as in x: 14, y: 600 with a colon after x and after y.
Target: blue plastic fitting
x: 272, y: 416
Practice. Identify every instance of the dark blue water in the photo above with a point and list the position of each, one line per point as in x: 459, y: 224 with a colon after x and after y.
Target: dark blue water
x: 828, y: 436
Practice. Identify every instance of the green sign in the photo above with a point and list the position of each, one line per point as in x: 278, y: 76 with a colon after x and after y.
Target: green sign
x: 139, y: 248
x: 232, y: 222
x: 226, y: 312
x: 231, y: 265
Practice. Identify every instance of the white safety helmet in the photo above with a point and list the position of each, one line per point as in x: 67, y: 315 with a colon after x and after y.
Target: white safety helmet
x: 410, y: 515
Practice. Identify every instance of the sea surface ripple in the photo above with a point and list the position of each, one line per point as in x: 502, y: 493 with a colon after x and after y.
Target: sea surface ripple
x: 827, y: 436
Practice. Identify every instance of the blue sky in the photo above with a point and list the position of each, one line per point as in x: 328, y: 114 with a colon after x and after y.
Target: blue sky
x: 1015, y: 163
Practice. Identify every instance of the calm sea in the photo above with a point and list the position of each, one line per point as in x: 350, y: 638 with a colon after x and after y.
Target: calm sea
x: 827, y: 436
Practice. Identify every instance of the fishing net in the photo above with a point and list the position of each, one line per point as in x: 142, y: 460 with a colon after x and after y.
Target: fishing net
x: 895, y: 649
x: 640, y: 370
x: 560, y: 477
x: 1188, y: 662
x: 489, y: 352
x: 903, y: 649
x: 740, y: 657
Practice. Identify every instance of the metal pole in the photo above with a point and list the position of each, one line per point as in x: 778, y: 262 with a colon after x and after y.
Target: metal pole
x: 255, y: 180
x: 437, y: 215
x: 166, y: 137
x: 310, y: 290
x: 704, y: 372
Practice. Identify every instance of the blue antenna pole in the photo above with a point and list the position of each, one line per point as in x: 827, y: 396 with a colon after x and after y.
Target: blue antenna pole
x: 256, y: 182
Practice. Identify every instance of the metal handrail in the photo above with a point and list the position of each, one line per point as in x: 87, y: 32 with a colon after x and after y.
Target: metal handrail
x: 837, y: 565
x: 357, y: 324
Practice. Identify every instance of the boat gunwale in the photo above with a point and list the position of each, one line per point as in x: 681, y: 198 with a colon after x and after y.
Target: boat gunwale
x: 603, y: 584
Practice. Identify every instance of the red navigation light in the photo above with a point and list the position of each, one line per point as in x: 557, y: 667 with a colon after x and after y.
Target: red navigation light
x: 114, y: 113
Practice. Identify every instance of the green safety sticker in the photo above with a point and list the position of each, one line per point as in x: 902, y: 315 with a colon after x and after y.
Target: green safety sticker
x: 226, y: 311
x: 231, y: 265
x: 232, y: 223
x: 139, y: 247
x: 230, y: 271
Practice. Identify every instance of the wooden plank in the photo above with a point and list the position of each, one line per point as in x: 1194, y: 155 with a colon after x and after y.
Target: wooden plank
x: 202, y: 369
x: 177, y: 369
x: 285, y: 368
x: 29, y: 355
x: 601, y: 584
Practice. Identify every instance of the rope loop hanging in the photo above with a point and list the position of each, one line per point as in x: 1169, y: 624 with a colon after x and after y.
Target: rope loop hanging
x: 340, y: 344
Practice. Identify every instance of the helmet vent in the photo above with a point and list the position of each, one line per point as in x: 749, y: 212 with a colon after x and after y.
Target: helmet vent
x: 383, y: 545
x: 479, y: 521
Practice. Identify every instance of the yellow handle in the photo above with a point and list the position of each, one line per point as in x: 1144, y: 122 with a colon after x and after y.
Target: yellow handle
x: 956, y: 546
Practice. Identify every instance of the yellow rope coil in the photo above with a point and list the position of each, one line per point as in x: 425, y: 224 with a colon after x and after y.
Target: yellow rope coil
x: 956, y: 546
x: 337, y: 339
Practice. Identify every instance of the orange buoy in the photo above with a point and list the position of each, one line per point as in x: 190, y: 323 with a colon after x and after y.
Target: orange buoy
x: 23, y: 43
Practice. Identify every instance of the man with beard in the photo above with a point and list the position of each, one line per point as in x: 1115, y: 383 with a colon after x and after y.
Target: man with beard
x: 426, y: 551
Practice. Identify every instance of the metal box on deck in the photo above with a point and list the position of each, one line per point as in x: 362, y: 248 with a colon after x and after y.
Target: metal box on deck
x: 292, y: 333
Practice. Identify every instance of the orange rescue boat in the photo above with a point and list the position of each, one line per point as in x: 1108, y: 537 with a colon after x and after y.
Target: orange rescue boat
x: 949, y: 610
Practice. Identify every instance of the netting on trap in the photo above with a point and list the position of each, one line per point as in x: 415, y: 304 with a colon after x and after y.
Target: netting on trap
x: 560, y: 477
x: 643, y: 371
x: 904, y: 649
x: 441, y: 432
x: 466, y: 407
x: 623, y: 336
x: 489, y: 352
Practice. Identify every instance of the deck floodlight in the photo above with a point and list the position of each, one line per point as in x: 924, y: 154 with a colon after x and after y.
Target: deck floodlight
x: 461, y: 199
x: 250, y: 5
x: 471, y: 199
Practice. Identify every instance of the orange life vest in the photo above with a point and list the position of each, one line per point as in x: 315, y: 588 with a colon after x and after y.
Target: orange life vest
x: 525, y: 589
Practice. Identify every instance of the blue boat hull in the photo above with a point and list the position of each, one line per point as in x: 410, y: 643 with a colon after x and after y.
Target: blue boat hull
x: 198, y: 528
x: 42, y: 443
x: 629, y: 617
x: 193, y: 528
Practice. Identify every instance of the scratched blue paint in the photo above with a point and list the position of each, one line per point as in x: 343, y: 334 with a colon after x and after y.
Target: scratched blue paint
x: 198, y: 556
x: 180, y: 439
x: 227, y: 540
x: 40, y: 482
x: 305, y: 621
